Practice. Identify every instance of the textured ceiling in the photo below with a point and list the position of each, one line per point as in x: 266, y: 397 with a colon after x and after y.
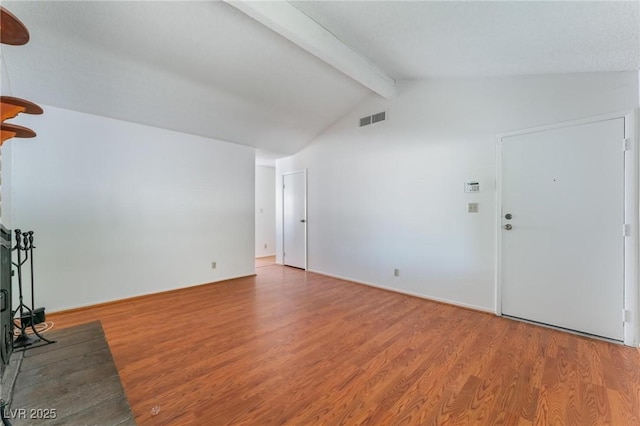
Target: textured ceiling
x: 206, y: 68
x: 198, y: 67
x: 413, y: 40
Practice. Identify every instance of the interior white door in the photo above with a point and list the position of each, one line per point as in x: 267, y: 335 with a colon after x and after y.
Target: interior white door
x: 294, y: 219
x: 562, y: 261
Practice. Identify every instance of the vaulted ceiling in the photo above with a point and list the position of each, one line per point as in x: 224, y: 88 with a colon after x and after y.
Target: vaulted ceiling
x: 274, y: 75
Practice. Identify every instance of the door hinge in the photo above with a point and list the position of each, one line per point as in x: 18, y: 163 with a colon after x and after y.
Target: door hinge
x: 626, y: 144
x: 626, y: 315
x: 626, y: 230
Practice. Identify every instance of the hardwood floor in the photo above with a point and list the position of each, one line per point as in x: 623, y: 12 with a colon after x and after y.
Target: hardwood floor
x: 290, y: 347
x: 265, y: 261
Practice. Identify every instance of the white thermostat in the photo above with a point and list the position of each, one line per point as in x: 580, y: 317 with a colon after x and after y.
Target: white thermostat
x: 472, y: 187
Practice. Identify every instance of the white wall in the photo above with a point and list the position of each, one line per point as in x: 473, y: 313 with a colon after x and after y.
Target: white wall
x: 390, y: 195
x: 121, y: 209
x: 265, y: 211
x: 5, y: 151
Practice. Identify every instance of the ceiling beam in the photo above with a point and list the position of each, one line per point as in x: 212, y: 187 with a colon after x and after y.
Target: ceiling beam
x: 285, y: 19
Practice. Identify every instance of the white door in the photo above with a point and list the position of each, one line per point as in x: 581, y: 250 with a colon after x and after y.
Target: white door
x: 294, y: 194
x: 562, y: 261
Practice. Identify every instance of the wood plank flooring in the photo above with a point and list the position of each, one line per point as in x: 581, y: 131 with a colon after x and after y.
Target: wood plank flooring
x: 292, y: 347
x: 265, y: 261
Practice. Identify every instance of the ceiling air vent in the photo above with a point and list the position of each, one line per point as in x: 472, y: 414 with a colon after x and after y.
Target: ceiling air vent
x: 370, y: 119
x: 365, y: 121
x: 381, y: 116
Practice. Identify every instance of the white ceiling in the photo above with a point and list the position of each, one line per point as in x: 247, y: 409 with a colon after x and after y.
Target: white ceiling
x: 414, y: 40
x: 206, y: 68
x: 197, y: 67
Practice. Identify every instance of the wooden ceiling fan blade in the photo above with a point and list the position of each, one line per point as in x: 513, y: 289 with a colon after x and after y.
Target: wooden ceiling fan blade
x: 5, y: 134
x: 12, y: 106
x: 12, y: 30
x: 19, y: 131
x: 10, y: 111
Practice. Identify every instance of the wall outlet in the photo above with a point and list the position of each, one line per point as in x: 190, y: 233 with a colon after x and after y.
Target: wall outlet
x: 472, y: 208
x: 213, y: 265
x: 396, y: 272
x: 265, y: 246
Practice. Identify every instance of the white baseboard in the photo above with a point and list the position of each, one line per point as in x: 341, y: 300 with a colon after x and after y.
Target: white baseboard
x: 265, y: 255
x: 409, y: 293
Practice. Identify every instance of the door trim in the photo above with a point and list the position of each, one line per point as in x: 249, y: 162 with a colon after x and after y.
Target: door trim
x: 631, y: 287
x: 306, y: 218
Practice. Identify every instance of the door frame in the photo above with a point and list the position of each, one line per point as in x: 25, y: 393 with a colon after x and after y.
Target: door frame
x: 306, y: 227
x: 630, y: 316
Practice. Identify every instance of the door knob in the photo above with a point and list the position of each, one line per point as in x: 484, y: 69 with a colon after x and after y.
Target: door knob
x: 302, y: 220
x: 508, y: 227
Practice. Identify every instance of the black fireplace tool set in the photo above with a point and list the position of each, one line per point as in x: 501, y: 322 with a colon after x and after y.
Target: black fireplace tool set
x: 24, y: 253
